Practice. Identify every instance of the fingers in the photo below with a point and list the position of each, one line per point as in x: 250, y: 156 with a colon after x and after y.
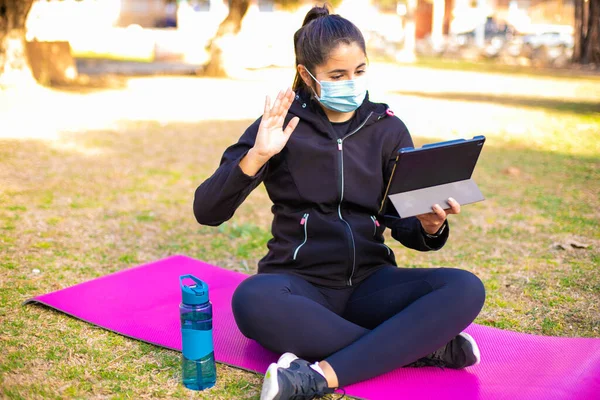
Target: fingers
x: 433, y: 220
x: 282, y: 103
x: 267, y: 110
x: 275, y: 116
x: 439, y: 212
x: 284, y: 106
x: 275, y: 111
x: 454, y: 206
x: 287, y: 99
x: 291, y: 126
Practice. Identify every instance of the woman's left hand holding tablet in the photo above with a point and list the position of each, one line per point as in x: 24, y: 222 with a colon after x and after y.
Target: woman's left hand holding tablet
x: 433, y: 221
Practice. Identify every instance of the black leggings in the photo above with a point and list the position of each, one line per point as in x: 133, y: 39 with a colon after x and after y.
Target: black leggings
x: 391, y: 319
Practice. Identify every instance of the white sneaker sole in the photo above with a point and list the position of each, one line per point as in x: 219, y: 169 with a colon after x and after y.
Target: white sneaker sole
x: 476, y: 352
x: 270, y: 387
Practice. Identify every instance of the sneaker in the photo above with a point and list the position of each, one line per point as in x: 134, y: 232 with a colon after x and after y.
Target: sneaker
x: 459, y: 353
x: 292, y: 378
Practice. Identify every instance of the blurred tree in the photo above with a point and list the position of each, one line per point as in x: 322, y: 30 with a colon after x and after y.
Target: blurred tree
x: 587, y: 32
x: 231, y: 26
x: 387, y: 5
x: 14, y: 67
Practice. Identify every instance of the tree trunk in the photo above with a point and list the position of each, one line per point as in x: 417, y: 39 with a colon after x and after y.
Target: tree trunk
x: 578, y: 36
x: 587, y: 32
x: 593, y: 32
x: 14, y: 67
x: 228, y: 29
x: 407, y: 53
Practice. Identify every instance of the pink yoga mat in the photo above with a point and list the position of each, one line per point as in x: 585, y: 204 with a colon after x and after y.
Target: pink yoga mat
x: 514, y: 366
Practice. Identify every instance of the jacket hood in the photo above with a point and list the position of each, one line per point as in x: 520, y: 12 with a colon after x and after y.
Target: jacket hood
x: 308, y: 109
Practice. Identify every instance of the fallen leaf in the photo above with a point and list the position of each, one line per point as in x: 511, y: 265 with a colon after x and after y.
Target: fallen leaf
x: 512, y: 171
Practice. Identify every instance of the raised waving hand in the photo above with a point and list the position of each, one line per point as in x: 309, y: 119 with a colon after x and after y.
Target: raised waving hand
x: 271, y: 137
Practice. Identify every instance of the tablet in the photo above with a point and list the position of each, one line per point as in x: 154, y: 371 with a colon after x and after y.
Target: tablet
x: 431, y: 174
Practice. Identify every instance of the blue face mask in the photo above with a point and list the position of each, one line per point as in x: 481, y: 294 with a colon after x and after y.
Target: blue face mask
x: 342, y: 96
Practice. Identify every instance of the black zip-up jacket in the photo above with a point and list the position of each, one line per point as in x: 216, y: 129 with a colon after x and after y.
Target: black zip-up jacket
x: 326, y: 193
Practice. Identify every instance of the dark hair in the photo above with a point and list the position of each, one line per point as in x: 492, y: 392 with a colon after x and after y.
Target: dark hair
x: 321, y: 32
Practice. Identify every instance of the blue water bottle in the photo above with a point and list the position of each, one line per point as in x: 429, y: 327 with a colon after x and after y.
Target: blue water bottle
x: 198, y: 358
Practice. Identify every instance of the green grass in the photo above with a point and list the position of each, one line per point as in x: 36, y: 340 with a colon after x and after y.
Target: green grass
x: 76, y: 215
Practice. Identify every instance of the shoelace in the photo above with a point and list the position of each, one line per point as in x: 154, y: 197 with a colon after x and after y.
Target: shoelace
x: 341, y: 396
x: 429, y: 362
x: 435, y: 359
x: 308, y: 388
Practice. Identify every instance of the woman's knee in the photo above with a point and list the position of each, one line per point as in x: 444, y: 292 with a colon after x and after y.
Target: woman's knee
x: 464, y: 282
x: 473, y: 289
x: 244, y: 303
x: 249, y: 295
x: 254, y: 300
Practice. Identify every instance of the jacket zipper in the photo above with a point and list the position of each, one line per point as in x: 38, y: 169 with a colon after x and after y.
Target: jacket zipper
x: 303, y: 221
x: 376, y: 225
x: 341, y: 151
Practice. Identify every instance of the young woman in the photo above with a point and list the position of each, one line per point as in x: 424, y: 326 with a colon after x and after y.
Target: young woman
x: 329, y: 289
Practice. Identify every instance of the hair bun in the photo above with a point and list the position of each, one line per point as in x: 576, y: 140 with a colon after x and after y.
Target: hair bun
x: 315, y: 13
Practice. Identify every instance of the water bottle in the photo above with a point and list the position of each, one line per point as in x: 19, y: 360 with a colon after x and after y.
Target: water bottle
x: 198, y: 358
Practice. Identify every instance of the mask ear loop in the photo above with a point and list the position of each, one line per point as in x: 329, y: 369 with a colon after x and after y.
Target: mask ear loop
x: 311, y: 75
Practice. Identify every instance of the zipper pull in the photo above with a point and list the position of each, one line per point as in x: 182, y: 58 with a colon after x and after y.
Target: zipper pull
x: 339, y: 144
x: 303, y: 220
x: 375, y: 221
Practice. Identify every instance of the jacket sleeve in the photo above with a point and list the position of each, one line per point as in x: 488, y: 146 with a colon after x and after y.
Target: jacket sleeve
x: 217, y: 198
x: 408, y: 231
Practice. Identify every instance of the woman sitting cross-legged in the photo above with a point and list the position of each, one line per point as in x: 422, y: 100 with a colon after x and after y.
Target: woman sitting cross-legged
x: 328, y: 294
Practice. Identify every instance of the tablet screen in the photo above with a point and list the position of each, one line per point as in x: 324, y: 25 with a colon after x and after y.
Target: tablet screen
x: 435, y: 165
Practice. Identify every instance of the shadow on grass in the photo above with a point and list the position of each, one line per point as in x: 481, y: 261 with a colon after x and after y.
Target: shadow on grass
x: 90, y: 83
x: 569, y: 72
x: 570, y: 107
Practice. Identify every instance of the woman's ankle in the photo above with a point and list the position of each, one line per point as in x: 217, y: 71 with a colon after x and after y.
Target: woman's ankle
x: 330, y: 375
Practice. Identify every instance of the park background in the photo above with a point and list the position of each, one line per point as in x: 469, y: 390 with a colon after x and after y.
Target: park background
x: 113, y: 112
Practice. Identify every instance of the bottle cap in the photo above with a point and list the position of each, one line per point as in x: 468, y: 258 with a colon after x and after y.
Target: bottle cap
x: 194, y: 294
